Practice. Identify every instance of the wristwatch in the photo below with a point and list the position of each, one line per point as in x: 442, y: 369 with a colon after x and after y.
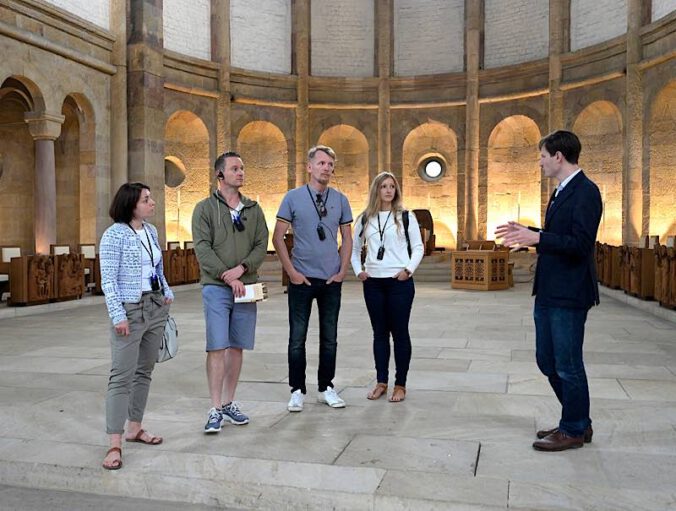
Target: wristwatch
x: 408, y: 272
x: 246, y: 268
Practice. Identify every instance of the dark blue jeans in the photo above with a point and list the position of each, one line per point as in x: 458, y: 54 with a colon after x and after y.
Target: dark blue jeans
x: 559, y: 334
x: 389, y: 303
x: 300, y: 307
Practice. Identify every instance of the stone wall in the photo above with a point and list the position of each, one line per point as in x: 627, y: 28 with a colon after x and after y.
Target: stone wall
x: 513, y: 174
x: 187, y: 27
x: 429, y: 37
x: 260, y: 35
x: 661, y: 8
x: 599, y: 127
x: 515, y: 31
x: 186, y: 141
x: 94, y: 11
x: 342, y: 35
x: 596, y: 21
x: 17, y: 176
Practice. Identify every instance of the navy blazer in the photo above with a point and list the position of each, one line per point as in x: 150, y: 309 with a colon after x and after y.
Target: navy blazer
x: 565, y: 275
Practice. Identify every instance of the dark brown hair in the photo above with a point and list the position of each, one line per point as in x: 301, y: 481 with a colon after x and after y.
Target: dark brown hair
x: 564, y: 142
x: 125, y: 200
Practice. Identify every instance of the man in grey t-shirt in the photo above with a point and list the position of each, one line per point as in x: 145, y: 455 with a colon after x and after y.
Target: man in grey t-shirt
x: 316, y: 213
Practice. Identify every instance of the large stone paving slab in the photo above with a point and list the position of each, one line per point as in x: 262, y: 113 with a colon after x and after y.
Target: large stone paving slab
x: 475, y: 399
x: 405, y: 453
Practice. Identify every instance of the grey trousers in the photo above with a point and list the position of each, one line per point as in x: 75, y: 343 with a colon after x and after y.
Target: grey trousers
x: 133, y: 360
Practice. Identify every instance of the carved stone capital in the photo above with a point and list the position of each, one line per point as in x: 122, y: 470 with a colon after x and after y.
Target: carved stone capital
x: 43, y: 125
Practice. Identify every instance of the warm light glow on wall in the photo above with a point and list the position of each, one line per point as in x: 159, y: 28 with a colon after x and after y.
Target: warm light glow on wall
x: 662, y: 168
x: 599, y: 127
x: 513, y: 174
x: 351, y: 175
x: 433, y: 140
x: 265, y: 155
x: 187, y: 147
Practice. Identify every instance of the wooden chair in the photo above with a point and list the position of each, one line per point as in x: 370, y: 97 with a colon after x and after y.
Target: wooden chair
x: 92, y: 278
x: 192, y: 267
x: 173, y: 244
x: 59, y: 249
x: 6, y: 255
x: 426, y: 224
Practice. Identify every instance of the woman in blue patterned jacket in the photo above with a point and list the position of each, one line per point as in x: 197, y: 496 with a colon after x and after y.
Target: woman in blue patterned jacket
x: 138, y: 298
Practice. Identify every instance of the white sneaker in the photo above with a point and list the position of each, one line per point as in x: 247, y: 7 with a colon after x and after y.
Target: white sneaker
x: 331, y: 398
x: 296, y: 401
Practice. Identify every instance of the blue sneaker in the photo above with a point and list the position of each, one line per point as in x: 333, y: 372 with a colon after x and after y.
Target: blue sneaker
x: 232, y: 413
x: 214, y: 422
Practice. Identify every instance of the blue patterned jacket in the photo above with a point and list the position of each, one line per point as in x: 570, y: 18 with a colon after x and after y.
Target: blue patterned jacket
x: 121, y: 270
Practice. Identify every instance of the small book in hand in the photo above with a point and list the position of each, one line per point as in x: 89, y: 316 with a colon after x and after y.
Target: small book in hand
x: 253, y: 293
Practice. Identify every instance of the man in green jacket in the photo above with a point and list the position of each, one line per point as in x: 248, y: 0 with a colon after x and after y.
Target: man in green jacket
x: 231, y: 239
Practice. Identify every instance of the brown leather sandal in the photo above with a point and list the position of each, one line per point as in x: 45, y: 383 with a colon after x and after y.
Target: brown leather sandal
x: 115, y: 465
x: 154, y: 440
x: 377, y: 391
x: 398, y: 394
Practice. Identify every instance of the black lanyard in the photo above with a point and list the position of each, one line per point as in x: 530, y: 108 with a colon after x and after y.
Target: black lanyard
x: 382, y: 232
x: 315, y: 204
x: 149, y: 248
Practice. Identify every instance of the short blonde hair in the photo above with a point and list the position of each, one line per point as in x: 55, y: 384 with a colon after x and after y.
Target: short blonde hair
x: 323, y: 148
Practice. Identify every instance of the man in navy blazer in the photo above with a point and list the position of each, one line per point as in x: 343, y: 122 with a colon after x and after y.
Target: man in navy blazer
x: 565, y: 285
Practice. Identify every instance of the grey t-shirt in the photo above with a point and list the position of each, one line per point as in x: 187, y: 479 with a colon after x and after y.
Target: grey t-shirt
x: 311, y: 256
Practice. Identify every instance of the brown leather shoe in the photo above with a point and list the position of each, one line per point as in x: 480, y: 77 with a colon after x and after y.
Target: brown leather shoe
x: 558, y: 441
x: 588, y: 433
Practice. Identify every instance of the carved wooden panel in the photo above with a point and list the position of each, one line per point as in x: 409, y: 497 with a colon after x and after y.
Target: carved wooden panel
x: 31, y: 279
x: 192, y: 267
x: 174, y: 265
x: 480, y: 269
x: 68, y: 276
x: 642, y: 273
x: 625, y: 268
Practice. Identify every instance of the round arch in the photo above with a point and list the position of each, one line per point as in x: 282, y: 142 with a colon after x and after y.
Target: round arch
x: 351, y: 174
x: 265, y: 154
x: 186, y: 139
x: 513, y: 173
x: 599, y: 127
x: 662, y: 140
x: 440, y: 197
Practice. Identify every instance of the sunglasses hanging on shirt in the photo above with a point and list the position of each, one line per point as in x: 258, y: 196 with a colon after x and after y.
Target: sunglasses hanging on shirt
x: 320, y: 208
x: 236, y: 219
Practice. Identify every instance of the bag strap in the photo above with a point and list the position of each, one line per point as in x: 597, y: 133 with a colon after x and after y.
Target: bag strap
x: 404, y: 218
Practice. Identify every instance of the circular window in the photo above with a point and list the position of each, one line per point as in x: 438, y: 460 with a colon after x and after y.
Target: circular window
x: 432, y: 169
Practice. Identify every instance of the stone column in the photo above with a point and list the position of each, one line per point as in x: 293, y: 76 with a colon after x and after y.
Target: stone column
x: 469, y: 229
x: 384, y: 30
x: 45, y: 128
x: 635, y: 208
x: 301, y: 35
x: 220, y: 52
x: 145, y: 101
x: 559, y: 43
x: 118, y: 96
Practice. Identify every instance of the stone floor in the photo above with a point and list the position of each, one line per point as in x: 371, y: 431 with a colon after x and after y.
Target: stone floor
x: 461, y: 440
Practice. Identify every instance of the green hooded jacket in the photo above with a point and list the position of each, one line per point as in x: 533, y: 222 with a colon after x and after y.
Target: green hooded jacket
x: 219, y: 246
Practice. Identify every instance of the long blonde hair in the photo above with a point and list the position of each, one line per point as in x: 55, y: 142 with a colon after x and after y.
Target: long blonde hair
x: 373, y: 205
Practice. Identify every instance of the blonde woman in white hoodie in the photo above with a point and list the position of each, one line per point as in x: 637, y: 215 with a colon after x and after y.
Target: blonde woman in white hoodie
x: 394, y: 250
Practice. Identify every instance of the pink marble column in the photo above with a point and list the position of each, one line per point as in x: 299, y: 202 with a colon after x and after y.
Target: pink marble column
x: 44, y: 128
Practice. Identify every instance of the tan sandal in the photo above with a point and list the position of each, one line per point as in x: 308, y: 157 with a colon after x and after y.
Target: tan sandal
x: 115, y: 465
x: 377, y: 391
x: 152, y: 439
x: 398, y: 394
